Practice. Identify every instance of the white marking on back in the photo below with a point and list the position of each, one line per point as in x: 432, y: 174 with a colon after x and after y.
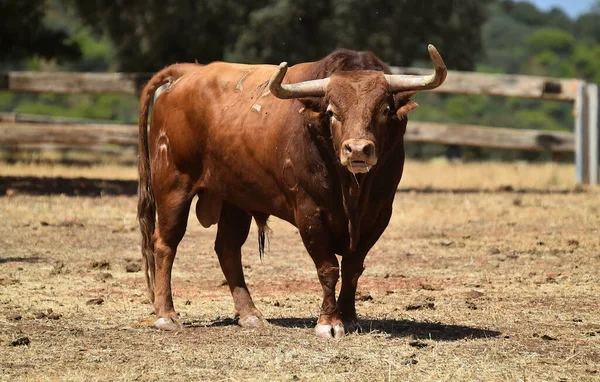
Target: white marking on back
x: 240, y: 87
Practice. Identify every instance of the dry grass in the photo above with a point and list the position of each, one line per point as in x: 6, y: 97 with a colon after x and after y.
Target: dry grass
x: 437, y: 173
x: 513, y: 278
x: 487, y: 175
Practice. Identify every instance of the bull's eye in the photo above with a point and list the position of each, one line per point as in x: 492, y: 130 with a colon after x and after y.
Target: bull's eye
x: 333, y: 115
x: 386, y: 111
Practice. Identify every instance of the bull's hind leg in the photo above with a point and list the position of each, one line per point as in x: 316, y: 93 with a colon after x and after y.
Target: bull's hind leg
x: 233, y: 228
x: 173, y: 210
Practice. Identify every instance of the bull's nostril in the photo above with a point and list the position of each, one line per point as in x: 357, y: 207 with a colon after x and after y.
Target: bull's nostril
x: 368, y: 150
x: 348, y: 148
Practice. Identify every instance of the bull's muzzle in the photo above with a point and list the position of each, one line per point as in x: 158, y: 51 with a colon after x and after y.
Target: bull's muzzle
x: 358, y: 155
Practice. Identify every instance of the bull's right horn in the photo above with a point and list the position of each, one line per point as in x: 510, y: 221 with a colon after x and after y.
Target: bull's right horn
x: 314, y: 88
x: 403, y: 83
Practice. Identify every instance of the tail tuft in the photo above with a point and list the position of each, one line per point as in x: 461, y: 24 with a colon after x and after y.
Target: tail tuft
x: 263, y: 235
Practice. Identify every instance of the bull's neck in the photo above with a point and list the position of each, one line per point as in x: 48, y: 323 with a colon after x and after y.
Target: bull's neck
x: 353, y: 186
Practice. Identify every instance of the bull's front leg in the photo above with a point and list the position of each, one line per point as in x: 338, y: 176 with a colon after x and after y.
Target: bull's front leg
x: 353, y: 267
x: 330, y: 323
x: 318, y: 244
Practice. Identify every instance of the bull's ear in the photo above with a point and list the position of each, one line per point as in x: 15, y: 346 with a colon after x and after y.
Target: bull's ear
x: 406, y: 108
x: 403, y: 104
x: 311, y: 108
x: 311, y: 103
x: 310, y: 114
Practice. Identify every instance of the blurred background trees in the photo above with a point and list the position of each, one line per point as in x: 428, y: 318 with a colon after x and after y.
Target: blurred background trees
x: 23, y: 33
x: 151, y: 34
x: 499, y: 36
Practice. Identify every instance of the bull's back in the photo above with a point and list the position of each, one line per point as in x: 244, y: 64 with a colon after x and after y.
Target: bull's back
x: 217, y: 100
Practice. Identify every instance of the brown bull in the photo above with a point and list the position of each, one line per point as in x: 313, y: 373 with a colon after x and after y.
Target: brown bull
x: 323, y: 151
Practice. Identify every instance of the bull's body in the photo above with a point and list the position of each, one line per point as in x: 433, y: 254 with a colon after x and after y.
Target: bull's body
x: 219, y: 134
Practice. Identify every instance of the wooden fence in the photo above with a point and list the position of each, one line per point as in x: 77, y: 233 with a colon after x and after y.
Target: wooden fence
x: 27, y: 130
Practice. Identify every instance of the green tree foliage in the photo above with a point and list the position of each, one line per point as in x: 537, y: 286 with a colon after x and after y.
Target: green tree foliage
x: 555, y: 40
x: 23, y: 33
x: 284, y: 30
x: 151, y: 34
x: 519, y: 38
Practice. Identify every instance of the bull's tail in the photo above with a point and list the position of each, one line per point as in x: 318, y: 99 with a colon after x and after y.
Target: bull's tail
x: 146, y: 213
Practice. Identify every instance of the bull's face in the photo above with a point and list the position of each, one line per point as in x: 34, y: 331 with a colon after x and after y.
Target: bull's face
x: 359, y: 105
x: 358, y: 108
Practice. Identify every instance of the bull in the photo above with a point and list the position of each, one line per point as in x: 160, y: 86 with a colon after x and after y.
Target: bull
x: 319, y: 145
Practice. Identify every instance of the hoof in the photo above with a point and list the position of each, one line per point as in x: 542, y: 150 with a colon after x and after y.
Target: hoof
x: 329, y: 331
x: 168, y: 324
x: 251, y: 322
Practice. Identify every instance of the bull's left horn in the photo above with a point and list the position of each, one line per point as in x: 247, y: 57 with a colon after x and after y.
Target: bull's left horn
x: 314, y: 88
x: 403, y: 83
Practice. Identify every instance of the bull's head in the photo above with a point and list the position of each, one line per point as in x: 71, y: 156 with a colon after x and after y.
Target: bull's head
x: 359, y: 107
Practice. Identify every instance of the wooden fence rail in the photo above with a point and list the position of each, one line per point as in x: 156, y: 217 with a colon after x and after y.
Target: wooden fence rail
x: 132, y: 83
x: 26, y: 133
x: 73, y: 83
x: 504, y: 85
x: 584, y: 142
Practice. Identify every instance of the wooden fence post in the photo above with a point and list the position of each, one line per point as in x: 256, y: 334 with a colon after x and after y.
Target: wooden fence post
x: 580, y: 133
x: 592, y: 133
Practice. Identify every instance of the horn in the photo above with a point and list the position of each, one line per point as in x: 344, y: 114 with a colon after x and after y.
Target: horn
x: 314, y: 88
x: 402, y: 83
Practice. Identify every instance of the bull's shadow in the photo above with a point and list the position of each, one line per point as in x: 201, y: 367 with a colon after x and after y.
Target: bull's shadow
x: 395, y: 328
x: 32, y: 185
x: 402, y: 328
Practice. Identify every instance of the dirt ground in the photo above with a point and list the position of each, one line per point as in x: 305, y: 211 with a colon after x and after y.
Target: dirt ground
x: 463, y: 286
